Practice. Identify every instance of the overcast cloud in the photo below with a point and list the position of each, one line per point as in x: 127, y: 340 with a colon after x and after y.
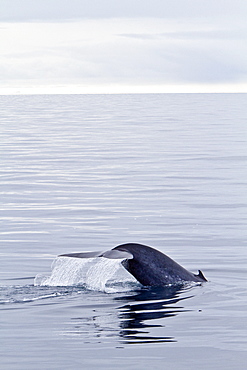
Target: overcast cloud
x: 123, y: 45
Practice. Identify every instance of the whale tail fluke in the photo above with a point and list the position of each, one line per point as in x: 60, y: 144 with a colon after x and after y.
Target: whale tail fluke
x: 148, y: 265
x: 82, y: 255
x: 111, y: 254
x: 117, y: 254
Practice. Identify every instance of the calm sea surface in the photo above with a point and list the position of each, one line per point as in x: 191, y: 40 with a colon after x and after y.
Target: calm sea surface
x: 89, y: 172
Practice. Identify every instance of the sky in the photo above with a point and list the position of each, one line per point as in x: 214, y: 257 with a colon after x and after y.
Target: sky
x: 113, y: 46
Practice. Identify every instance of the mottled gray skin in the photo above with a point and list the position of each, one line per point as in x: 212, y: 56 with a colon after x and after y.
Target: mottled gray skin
x: 149, y: 266
x: 153, y: 268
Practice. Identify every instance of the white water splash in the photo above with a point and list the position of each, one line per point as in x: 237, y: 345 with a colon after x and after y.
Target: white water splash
x: 99, y: 273
x: 92, y: 273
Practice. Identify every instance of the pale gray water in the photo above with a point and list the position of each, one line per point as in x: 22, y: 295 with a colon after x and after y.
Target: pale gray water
x: 85, y: 173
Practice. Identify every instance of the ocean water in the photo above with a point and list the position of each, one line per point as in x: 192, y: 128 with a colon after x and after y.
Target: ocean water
x: 89, y: 172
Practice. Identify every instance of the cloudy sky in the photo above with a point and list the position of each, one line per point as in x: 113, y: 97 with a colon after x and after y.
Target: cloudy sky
x: 123, y: 46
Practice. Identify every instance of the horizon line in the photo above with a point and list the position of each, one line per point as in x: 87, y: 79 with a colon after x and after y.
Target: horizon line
x: 123, y: 89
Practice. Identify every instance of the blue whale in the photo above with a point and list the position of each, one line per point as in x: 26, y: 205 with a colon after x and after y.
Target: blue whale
x: 148, y: 265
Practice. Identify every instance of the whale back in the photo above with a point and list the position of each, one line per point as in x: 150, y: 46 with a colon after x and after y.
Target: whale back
x: 153, y: 268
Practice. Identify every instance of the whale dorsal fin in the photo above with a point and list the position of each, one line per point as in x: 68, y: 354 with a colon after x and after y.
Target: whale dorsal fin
x: 200, y: 275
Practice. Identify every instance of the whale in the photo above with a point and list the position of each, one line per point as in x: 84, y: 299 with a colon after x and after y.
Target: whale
x: 149, y: 266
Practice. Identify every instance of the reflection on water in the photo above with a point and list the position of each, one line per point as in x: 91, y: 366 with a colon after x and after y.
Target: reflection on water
x: 133, y: 316
x: 147, y: 305
x: 140, y: 320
